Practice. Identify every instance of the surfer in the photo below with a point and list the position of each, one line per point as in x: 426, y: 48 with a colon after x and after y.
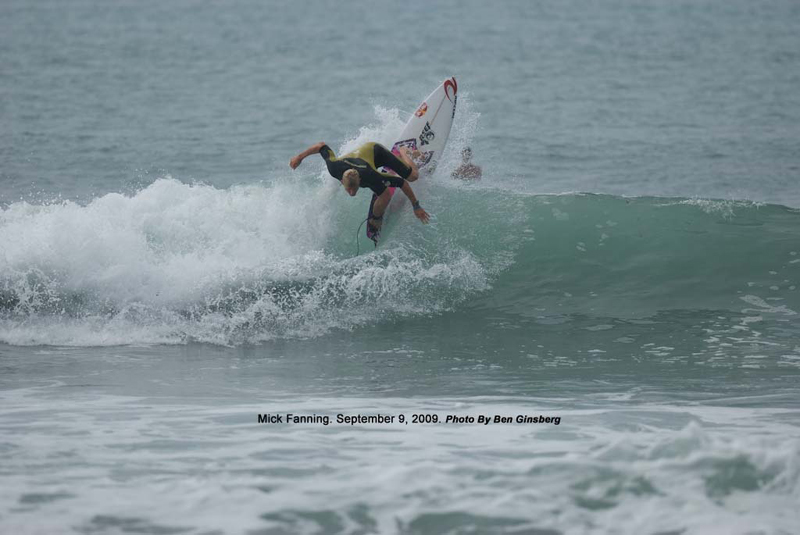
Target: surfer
x: 467, y: 170
x: 359, y: 169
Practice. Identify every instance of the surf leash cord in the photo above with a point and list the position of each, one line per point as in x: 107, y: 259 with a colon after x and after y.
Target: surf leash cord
x: 358, y: 250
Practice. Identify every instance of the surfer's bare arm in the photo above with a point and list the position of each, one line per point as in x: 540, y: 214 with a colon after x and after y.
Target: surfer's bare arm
x: 404, y: 155
x: 420, y: 212
x: 313, y: 149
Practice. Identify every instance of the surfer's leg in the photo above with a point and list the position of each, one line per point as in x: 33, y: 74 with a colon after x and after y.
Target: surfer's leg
x: 379, y: 207
x: 385, y: 158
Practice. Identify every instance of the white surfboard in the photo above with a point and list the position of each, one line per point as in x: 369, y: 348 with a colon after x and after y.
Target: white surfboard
x: 426, y: 132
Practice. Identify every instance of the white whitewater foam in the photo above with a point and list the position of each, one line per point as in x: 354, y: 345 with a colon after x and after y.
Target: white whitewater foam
x: 177, y: 262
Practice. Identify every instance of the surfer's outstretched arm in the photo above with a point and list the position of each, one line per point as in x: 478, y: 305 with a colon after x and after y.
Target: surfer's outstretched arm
x: 313, y: 149
x: 421, y: 214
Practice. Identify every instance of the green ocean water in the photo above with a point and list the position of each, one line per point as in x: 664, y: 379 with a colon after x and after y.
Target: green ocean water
x: 628, y: 264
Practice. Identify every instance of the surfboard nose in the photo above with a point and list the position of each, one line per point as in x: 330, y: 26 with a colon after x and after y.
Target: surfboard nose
x: 451, y: 84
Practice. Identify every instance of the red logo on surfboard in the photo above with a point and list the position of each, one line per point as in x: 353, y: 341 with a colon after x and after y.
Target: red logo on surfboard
x: 423, y: 108
x: 451, y: 83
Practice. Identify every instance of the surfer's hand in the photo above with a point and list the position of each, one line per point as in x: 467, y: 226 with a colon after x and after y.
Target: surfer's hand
x: 295, y: 162
x: 422, y: 215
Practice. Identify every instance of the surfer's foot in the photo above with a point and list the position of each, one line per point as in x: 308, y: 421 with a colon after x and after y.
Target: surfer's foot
x: 375, y: 224
x: 374, y: 229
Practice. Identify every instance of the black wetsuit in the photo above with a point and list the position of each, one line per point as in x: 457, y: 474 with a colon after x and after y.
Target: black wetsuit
x: 366, y: 160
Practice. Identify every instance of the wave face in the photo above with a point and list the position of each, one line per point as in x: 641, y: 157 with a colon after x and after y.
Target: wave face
x: 177, y: 262
x: 636, y: 257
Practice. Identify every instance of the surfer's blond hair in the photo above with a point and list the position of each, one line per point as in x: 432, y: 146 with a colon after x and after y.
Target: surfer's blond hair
x: 351, y: 178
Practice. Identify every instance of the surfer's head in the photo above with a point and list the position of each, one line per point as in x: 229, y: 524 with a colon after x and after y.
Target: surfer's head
x: 351, y: 180
x: 466, y: 154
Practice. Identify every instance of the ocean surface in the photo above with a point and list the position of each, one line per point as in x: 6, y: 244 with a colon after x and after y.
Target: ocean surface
x: 626, y: 270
